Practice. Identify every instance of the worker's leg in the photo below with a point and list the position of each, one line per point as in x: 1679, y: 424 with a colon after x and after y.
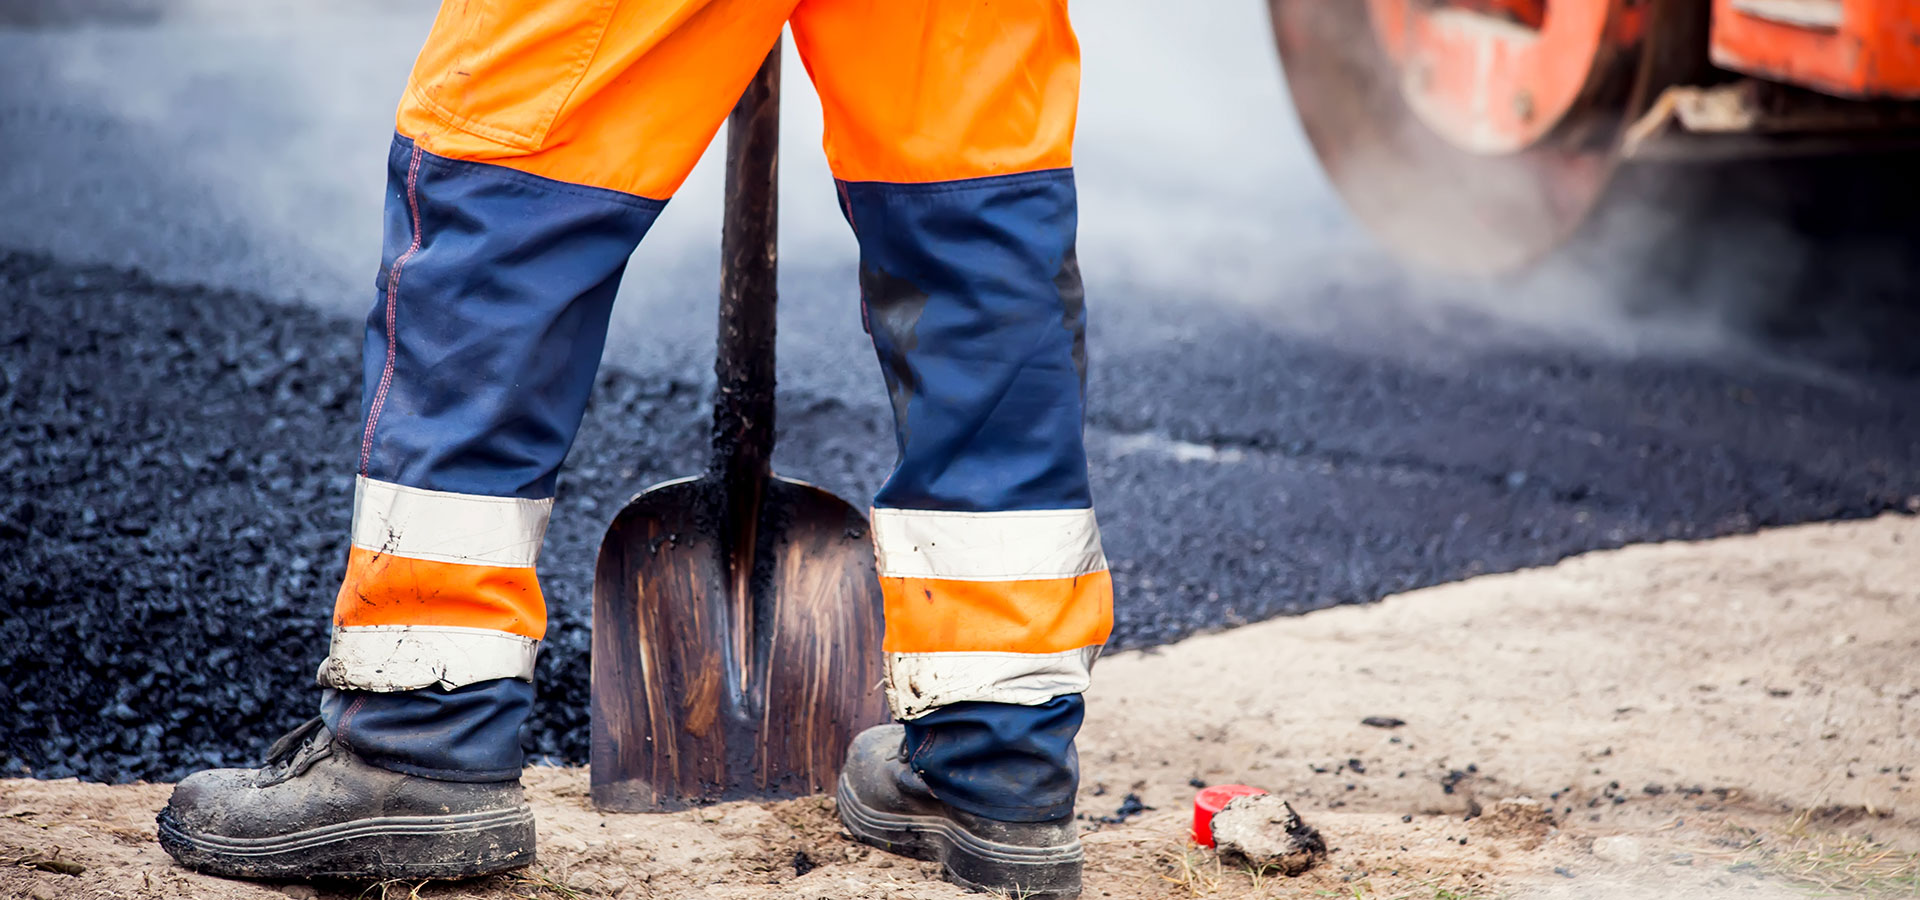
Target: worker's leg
x: 537, y: 140
x: 949, y: 127
x: 533, y: 151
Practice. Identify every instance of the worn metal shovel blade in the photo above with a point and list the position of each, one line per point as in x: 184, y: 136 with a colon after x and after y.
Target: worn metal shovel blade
x: 711, y: 684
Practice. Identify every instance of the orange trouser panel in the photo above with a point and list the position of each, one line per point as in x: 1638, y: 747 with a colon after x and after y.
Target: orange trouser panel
x: 626, y: 95
x: 383, y: 589
x: 944, y: 90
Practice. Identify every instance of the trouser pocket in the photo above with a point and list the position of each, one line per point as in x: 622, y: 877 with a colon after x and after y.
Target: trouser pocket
x: 502, y: 69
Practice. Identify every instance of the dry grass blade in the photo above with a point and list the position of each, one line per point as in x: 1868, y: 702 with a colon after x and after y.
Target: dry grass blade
x: 410, y: 889
x: 1199, y: 877
x: 1837, y: 864
x: 45, y: 863
x: 546, y: 886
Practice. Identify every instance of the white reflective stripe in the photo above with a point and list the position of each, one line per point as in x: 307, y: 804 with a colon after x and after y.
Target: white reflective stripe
x: 919, y: 683
x: 447, y: 527
x: 408, y: 657
x: 993, y: 546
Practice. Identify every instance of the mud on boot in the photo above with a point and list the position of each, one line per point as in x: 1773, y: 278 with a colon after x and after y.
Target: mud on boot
x: 315, y: 810
x: 883, y: 803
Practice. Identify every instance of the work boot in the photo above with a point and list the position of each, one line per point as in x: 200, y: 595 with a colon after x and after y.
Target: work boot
x: 884, y: 803
x: 315, y: 810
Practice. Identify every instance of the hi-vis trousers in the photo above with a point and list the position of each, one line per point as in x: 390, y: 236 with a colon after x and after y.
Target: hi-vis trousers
x: 536, y: 142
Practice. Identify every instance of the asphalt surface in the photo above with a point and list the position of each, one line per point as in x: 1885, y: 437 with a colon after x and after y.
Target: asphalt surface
x: 1280, y: 419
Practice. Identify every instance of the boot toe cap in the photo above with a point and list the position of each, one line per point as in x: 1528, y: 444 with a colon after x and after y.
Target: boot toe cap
x: 876, y: 745
x: 203, y: 802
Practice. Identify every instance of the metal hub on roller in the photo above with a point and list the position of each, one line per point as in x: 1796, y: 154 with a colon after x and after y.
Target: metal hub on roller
x: 1470, y: 135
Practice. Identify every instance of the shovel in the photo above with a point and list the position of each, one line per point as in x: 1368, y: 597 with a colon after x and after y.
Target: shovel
x: 737, y: 614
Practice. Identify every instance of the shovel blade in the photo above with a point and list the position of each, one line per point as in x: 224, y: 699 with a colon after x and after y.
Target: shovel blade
x: 702, y: 695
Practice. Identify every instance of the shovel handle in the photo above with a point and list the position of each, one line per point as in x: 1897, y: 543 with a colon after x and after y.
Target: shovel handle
x: 749, y: 257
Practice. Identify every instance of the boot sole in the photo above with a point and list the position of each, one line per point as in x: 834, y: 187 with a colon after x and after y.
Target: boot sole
x: 463, y: 845
x: 973, y: 862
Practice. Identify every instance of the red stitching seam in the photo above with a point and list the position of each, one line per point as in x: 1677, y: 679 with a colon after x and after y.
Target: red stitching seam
x: 846, y: 203
x: 913, y: 756
x: 347, y: 719
x: 393, y: 297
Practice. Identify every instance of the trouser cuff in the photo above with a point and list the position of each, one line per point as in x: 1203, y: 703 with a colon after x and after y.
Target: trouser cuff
x: 469, y: 733
x: 1002, y: 761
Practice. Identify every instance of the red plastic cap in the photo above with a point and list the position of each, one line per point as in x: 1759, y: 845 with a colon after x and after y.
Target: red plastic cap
x: 1210, y: 801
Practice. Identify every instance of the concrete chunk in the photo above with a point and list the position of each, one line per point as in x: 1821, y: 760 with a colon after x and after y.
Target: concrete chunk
x: 1262, y: 831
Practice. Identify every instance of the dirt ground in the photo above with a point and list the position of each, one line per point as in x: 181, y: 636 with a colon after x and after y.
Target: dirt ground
x: 1734, y: 718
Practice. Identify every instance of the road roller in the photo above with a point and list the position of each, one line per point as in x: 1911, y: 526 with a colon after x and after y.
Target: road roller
x: 1477, y: 136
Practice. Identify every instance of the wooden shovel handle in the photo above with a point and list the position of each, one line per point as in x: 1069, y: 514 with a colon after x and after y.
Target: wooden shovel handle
x: 749, y: 257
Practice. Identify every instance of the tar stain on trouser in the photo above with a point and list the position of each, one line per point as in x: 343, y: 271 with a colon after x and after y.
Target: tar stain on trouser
x: 893, y: 309
x: 894, y: 305
x: 1073, y: 311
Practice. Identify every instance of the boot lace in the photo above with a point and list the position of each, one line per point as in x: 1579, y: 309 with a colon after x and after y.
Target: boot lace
x: 297, y: 750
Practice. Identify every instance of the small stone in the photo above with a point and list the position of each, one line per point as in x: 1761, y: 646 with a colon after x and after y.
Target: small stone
x: 300, y: 891
x: 1263, y: 832
x: 1617, y: 849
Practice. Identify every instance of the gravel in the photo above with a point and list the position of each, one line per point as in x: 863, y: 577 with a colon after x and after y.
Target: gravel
x: 177, y: 483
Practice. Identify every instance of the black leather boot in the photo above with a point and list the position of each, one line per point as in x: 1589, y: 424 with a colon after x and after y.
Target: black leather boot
x: 883, y: 803
x: 315, y: 810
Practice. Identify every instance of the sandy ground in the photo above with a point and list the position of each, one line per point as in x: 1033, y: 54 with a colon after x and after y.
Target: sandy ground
x: 1734, y: 718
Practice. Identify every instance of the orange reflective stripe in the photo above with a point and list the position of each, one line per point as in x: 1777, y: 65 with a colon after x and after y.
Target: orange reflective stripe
x: 942, y: 89
x: 383, y: 589
x: 1044, y: 615
x: 617, y: 95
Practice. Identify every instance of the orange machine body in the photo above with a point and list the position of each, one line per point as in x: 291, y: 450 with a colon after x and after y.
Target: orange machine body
x: 1496, y: 76
x: 1859, y: 49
